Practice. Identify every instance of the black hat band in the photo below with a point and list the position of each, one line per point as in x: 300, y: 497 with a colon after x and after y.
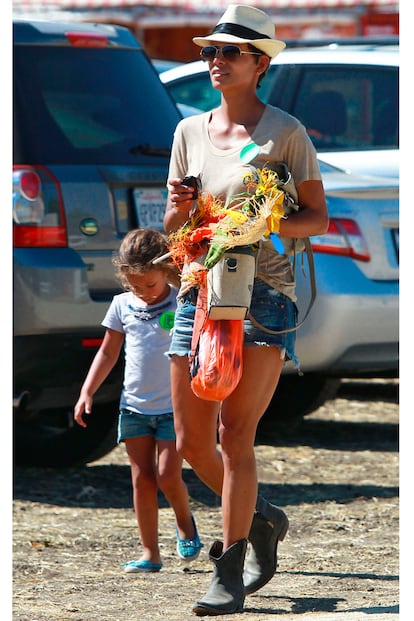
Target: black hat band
x: 239, y: 31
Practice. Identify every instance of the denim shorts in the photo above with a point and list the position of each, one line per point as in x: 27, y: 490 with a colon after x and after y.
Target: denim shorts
x: 134, y: 425
x: 272, y: 309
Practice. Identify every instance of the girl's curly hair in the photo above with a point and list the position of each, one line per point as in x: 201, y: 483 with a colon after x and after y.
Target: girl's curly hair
x: 138, y: 250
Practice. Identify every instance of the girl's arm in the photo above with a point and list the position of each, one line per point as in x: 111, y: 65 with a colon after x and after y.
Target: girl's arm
x: 103, y: 363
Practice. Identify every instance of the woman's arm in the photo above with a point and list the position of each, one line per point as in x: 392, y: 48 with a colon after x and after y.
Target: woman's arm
x: 312, y: 217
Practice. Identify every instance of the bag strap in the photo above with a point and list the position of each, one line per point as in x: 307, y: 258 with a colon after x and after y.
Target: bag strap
x: 199, y: 320
x: 311, y: 263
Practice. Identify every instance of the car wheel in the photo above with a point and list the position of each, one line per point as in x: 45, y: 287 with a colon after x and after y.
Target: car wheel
x: 295, y: 397
x: 51, y: 438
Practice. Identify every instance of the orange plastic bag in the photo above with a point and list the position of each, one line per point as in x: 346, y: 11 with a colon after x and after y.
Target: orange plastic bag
x: 217, y: 365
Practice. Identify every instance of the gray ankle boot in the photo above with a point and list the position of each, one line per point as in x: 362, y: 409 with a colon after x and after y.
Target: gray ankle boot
x: 226, y: 592
x: 269, y: 526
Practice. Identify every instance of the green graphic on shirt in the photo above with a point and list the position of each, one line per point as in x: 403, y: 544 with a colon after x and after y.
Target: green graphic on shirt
x: 249, y: 152
x: 167, y: 320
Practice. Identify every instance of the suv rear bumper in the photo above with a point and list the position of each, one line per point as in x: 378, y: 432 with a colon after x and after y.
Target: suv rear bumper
x: 55, y: 324
x: 329, y: 341
x: 50, y: 369
x: 51, y: 292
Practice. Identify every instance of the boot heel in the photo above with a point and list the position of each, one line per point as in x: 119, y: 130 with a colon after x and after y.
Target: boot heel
x: 284, y: 530
x: 277, y: 519
x: 269, y: 526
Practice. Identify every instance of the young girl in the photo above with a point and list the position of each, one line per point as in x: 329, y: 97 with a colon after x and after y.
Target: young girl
x: 142, y: 318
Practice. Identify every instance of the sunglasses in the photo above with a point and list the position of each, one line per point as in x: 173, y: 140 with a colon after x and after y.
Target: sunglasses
x: 228, y: 52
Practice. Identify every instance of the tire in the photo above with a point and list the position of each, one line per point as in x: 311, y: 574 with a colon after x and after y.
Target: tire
x: 52, y: 439
x: 295, y: 397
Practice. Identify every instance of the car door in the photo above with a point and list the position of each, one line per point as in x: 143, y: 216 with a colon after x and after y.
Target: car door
x: 347, y: 110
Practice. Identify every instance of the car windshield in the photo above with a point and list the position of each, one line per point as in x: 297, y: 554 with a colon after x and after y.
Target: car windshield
x: 76, y: 105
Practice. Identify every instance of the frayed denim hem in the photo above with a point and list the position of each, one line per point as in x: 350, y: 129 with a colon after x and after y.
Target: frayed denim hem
x: 272, y: 309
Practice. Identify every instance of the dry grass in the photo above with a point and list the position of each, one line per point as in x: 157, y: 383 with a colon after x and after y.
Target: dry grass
x: 336, y: 476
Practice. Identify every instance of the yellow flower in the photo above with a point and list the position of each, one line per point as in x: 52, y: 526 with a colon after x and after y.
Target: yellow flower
x: 237, y: 216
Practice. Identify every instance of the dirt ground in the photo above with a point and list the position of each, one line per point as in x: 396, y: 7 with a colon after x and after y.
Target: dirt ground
x: 336, y: 476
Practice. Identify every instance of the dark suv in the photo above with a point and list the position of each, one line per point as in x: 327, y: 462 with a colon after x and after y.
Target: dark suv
x: 93, y: 127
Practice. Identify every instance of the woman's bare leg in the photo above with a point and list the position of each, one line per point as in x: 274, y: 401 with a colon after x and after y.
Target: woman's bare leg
x: 240, y: 414
x: 195, y: 424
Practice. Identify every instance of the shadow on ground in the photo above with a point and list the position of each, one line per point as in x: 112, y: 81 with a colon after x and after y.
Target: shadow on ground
x: 343, y: 435
x: 106, y: 485
x: 388, y: 392
x: 109, y: 486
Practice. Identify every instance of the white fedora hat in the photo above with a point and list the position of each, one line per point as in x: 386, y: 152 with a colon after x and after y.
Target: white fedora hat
x: 245, y: 24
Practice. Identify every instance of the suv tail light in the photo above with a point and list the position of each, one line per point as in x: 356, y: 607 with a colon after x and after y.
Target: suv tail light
x: 88, y: 39
x: 342, y: 238
x: 38, y: 216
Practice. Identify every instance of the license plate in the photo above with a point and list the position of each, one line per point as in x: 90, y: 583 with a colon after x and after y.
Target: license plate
x: 150, y: 207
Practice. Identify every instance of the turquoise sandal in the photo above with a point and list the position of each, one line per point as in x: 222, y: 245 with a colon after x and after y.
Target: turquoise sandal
x: 135, y: 567
x: 189, y: 549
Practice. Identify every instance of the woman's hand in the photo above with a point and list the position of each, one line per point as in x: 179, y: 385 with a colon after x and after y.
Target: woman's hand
x: 181, y: 196
x: 180, y: 201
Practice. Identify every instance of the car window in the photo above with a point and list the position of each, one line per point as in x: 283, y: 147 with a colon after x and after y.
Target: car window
x: 76, y: 106
x: 349, y: 108
x: 343, y: 107
x: 195, y: 91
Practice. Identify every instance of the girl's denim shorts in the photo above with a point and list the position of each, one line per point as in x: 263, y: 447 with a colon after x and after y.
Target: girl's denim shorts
x: 134, y: 425
x: 270, y: 308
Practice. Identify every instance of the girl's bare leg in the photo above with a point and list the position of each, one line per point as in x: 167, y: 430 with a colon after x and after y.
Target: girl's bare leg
x: 171, y: 483
x: 141, y: 453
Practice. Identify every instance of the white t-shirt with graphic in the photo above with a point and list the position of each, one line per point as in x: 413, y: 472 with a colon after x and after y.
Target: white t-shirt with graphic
x: 147, y: 329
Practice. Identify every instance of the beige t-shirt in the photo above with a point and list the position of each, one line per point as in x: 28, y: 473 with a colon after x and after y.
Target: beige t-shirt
x: 281, y: 138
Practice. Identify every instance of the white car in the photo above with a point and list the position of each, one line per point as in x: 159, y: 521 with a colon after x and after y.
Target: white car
x: 349, y: 95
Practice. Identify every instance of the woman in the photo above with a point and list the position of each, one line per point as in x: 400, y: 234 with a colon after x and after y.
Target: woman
x: 208, y: 146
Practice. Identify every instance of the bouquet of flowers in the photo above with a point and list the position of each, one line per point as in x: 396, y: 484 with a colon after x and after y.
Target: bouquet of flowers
x: 215, y: 227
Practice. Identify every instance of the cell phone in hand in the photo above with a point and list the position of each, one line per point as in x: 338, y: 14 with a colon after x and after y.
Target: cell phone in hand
x: 192, y: 182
